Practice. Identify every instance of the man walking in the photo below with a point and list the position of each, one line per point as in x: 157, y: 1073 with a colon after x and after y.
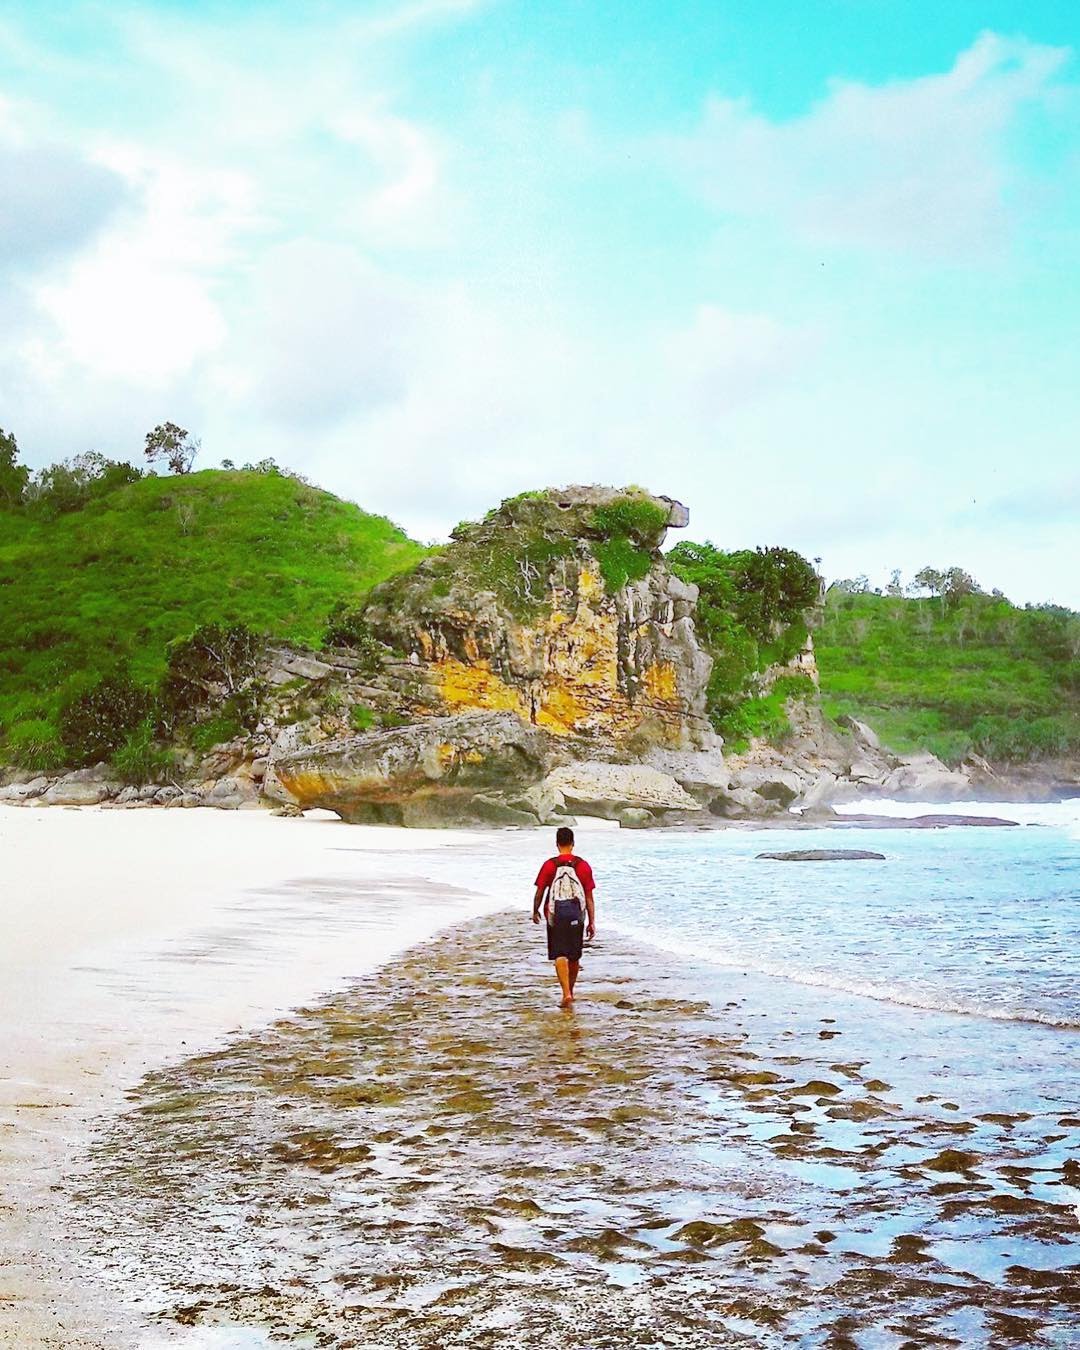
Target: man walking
x: 564, y: 889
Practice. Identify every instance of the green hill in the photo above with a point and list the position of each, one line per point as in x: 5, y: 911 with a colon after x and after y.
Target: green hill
x: 99, y: 574
x: 972, y: 673
x: 108, y: 586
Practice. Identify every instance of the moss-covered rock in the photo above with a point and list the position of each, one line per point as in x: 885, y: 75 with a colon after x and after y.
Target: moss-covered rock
x: 559, y: 607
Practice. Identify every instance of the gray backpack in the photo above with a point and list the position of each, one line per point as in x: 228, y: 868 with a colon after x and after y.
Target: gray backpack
x: 567, y: 894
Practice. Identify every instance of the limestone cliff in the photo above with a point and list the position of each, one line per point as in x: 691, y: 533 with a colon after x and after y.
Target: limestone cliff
x: 557, y: 609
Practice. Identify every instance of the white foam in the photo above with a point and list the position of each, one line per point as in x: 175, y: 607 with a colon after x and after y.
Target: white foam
x: 1057, y: 815
x: 729, y: 957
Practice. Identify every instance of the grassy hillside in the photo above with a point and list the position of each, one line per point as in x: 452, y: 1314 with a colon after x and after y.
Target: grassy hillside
x: 954, y: 676
x: 99, y: 575
x: 111, y: 584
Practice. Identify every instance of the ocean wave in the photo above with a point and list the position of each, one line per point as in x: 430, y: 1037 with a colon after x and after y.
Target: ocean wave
x: 897, y: 995
x: 1063, y: 816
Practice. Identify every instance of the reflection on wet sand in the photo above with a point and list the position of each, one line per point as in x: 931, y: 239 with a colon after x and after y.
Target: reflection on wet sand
x: 441, y: 1157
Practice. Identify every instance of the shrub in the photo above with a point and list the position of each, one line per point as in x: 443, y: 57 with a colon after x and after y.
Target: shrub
x: 517, y: 566
x: 621, y: 561
x: 13, y: 475
x: 361, y: 717
x: 348, y: 627
x: 216, y: 730
x: 34, y: 744
x: 1018, y: 739
x: 765, y: 589
x: 631, y: 517
x: 73, y: 483
x: 95, y: 723
x: 751, y: 614
x: 140, y: 759
x: 216, y: 658
x: 630, y: 526
x: 762, y: 718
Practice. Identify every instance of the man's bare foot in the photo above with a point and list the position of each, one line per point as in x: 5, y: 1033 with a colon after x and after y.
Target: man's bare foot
x: 567, y: 1002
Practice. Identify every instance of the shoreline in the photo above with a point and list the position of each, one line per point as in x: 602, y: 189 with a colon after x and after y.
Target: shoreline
x: 280, y: 912
x: 683, y: 1160
x: 845, y: 813
x: 117, y: 939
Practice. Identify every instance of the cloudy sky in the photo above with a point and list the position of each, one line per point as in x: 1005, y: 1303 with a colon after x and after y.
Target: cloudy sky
x: 812, y: 268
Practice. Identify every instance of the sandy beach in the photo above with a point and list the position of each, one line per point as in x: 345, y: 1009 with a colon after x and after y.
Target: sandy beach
x: 132, y: 938
x: 265, y: 1083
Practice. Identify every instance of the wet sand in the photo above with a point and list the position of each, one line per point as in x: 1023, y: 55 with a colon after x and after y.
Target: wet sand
x: 439, y: 1156
x: 130, y: 939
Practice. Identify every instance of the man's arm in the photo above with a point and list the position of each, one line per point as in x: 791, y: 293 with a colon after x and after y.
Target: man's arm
x: 538, y: 900
x: 590, y: 909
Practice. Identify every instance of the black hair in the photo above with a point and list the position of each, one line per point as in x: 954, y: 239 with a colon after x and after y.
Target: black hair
x: 564, y: 835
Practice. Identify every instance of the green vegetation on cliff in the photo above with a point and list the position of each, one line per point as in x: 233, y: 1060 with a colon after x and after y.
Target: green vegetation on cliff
x: 103, y: 588
x: 521, y: 548
x: 957, y: 673
x: 751, y: 616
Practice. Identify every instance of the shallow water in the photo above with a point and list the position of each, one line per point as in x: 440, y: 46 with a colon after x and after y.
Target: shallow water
x: 440, y: 1157
x: 973, y: 920
x: 820, y: 1104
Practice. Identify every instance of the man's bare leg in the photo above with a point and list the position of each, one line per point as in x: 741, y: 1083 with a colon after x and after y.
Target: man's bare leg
x: 572, y: 969
x: 562, y: 970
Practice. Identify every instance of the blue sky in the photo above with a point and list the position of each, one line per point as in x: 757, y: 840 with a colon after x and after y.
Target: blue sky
x: 812, y: 268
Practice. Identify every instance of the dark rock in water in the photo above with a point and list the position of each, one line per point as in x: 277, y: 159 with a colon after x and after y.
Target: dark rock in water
x: 824, y: 855
x: 859, y: 820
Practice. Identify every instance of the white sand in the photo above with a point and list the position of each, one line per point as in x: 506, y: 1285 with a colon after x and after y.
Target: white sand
x: 131, y: 937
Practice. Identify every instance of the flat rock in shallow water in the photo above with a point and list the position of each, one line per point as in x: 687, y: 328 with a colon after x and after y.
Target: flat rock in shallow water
x: 824, y: 855
x: 929, y: 822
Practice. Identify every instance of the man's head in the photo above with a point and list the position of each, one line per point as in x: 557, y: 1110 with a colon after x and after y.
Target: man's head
x: 564, y: 839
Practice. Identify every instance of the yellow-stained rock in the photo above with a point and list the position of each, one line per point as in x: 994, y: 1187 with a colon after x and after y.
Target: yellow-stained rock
x: 580, y: 688
x: 556, y: 645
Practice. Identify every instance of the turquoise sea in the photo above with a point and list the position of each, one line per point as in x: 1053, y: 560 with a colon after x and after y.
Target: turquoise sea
x: 983, y: 922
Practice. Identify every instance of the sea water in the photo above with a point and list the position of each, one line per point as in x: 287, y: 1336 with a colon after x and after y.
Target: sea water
x: 953, y: 965
x: 978, y: 921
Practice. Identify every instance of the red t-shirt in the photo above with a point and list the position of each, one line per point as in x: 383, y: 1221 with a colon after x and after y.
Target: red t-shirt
x: 546, y: 875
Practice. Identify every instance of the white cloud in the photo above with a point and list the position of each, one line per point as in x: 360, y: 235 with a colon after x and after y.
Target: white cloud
x: 53, y: 201
x: 320, y: 333
x: 917, y: 166
x: 723, y: 360
x: 294, y: 268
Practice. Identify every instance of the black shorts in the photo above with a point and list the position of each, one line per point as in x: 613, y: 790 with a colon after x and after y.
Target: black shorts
x: 565, y: 939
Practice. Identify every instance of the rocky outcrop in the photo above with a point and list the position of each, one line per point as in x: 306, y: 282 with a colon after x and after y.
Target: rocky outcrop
x: 633, y: 794
x: 541, y: 659
x: 474, y: 767
x: 84, y: 787
x: 559, y: 608
x: 818, y: 765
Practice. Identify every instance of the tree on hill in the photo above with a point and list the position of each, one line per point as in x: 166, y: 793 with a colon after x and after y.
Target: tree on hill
x: 951, y: 585
x: 173, y: 444
x: 13, y: 475
x: 71, y: 484
x: 930, y: 579
x: 959, y: 584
